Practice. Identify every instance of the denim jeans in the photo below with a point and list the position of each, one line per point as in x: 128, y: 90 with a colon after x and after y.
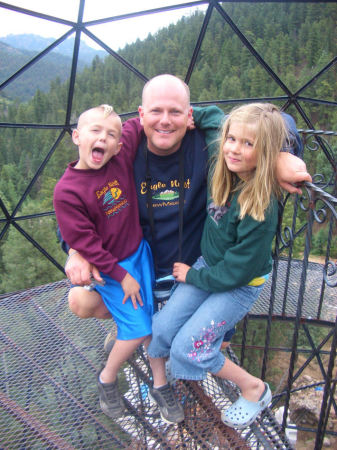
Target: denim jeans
x: 189, y: 329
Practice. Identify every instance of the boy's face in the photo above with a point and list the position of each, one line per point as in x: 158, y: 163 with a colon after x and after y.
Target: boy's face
x: 97, y: 138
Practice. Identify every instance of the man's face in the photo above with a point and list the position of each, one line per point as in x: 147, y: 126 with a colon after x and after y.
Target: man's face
x: 164, y: 115
x: 97, y: 138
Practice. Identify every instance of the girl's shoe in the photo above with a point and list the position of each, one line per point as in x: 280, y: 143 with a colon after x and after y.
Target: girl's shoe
x: 243, y: 412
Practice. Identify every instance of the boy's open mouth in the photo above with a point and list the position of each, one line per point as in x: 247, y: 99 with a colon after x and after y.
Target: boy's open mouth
x: 97, y: 155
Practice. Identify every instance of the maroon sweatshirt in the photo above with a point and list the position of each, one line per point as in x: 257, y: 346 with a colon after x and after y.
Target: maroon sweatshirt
x: 97, y: 210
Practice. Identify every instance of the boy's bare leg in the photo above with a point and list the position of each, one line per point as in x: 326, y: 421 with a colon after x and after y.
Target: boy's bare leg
x: 87, y: 304
x: 121, y: 351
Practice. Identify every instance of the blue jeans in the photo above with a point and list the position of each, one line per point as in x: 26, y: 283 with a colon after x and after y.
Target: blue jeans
x: 189, y: 329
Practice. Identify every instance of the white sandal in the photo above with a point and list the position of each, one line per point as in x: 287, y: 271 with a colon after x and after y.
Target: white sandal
x: 243, y: 412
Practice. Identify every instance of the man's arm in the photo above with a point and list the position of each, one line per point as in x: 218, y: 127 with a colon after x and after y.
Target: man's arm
x: 77, y: 269
x: 209, y: 119
x: 291, y: 170
x: 294, y: 143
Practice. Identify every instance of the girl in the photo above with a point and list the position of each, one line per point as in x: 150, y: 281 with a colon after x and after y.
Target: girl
x: 223, y: 284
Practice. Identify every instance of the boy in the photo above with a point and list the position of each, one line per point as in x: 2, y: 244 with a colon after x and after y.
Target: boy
x: 97, y: 211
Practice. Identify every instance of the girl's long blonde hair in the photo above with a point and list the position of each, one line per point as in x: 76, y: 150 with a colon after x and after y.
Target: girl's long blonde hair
x: 271, y: 137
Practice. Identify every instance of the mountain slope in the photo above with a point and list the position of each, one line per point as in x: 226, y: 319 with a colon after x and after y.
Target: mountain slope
x: 37, y: 43
x: 18, y: 50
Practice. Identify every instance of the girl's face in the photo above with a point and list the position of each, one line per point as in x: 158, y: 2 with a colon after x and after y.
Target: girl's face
x: 239, y: 154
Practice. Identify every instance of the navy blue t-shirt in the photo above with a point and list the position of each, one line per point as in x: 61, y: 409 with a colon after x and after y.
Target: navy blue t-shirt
x: 164, y: 172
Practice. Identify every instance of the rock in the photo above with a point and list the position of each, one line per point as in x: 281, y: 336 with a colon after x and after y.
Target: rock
x: 326, y: 442
x: 305, y: 405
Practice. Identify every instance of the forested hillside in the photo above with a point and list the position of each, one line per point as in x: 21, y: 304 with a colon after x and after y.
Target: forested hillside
x: 18, y: 50
x: 37, y: 43
x: 296, y: 40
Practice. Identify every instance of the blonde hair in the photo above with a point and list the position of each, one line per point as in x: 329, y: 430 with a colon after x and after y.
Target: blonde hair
x: 270, y: 136
x: 106, y: 109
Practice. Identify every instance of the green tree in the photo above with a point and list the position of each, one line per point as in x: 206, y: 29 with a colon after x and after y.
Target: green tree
x: 23, y: 265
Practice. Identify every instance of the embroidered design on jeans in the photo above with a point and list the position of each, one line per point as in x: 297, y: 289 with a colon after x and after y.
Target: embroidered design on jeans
x: 202, y: 346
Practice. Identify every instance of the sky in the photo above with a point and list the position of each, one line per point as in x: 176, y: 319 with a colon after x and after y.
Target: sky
x: 115, y: 34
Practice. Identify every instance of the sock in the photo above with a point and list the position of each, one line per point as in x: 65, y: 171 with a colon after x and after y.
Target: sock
x: 159, y: 387
x: 102, y: 382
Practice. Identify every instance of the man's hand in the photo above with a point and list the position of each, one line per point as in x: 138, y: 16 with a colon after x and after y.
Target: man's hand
x: 78, y: 270
x: 291, y: 170
x: 131, y: 289
x: 180, y: 271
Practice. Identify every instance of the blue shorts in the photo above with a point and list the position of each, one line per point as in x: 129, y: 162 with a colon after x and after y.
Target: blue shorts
x: 131, y: 323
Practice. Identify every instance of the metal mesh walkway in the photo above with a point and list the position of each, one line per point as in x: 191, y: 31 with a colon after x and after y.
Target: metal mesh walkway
x: 316, y: 293
x: 48, y: 395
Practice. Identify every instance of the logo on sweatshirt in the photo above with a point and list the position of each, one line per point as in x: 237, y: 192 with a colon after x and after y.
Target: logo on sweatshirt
x: 216, y: 212
x: 113, y: 200
x: 165, y: 193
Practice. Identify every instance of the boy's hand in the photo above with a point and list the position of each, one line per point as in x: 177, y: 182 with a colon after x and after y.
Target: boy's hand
x: 291, y: 170
x: 131, y: 289
x: 79, y: 270
x: 191, y: 124
x: 180, y: 271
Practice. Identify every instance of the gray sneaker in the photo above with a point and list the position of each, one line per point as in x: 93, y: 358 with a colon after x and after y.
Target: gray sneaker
x: 170, y: 409
x: 110, y: 399
x: 109, y: 342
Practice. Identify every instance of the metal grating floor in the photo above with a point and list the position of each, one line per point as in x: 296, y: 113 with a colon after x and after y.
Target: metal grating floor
x: 315, y: 289
x: 48, y: 396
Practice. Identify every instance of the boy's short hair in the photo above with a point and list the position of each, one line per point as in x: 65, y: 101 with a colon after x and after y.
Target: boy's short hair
x: 105, y: 108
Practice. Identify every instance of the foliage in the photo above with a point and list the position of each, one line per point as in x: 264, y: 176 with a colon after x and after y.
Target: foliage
x: 24, y: 260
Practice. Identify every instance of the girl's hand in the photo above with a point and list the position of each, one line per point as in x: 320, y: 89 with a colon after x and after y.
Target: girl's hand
x: 180, y: 271
x: 131, y: 289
